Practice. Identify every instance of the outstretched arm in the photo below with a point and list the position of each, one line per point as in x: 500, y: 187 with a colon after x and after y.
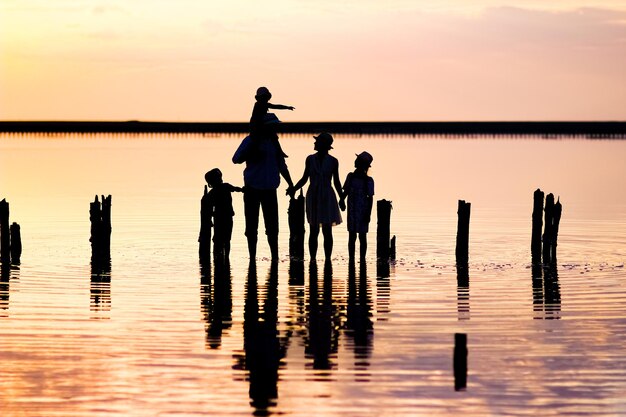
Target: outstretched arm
x: 234, y: 189
x: 279, y: 107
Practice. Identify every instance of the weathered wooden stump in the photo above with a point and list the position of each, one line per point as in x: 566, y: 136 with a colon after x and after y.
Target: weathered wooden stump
x: 558, y: 209
x: 544, y: 247
x: 462, y: 234
x: 548, y: 230
x: 5, y: 236
x: 16, y: 244
x: 535, y: 244
x: 460, y: 361
x: 296, y: 227
x: 383, y: 233
x: 100, y: 217
x: 205, y: 228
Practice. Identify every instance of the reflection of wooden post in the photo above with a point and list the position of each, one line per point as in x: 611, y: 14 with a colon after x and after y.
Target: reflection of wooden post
x: 16, y: 244
x: 205, y: 227
x: 296, y: 227
x: 462, y: 292
x: 5, y: 237
x: 462, y: 234
x: 392, y: 249
x: 548, y: 231
x: 460, y: 361
x: 535, y: 245
x: 383, y: 232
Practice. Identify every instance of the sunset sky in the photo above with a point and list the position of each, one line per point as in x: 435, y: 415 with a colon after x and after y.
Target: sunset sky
x: 193, y: 60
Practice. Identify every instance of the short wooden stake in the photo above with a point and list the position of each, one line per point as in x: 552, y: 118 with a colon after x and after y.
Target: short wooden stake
x: 558, y: 209
x: 16, y: 244
x: 5, y: 236
x: 106, y: 226
x: 205, y: 228
x: 296, y: 227
x: 462, y: 234
x: 100, y: 217
x: 383, y: 230
x: 535, y: 245
x: 548, y: 230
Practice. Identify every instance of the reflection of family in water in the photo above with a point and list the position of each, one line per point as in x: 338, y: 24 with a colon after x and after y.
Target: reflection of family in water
x: 265, y: 163
x: 317, y: 321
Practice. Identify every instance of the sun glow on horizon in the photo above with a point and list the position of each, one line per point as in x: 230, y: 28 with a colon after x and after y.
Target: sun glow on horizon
x: 406, y: 60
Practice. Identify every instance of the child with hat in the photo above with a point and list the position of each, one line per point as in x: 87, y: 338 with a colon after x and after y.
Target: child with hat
x: 219, y: 203
x: 359, y: 189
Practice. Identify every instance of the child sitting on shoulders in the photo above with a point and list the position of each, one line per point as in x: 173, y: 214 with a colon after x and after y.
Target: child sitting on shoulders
x: 260, y: 118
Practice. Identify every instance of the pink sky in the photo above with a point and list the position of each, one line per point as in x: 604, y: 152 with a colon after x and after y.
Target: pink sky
x: 352, y: 60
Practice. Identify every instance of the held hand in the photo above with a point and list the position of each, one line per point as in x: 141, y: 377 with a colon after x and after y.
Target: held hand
x: 342, y: 204
x: 290, y: 191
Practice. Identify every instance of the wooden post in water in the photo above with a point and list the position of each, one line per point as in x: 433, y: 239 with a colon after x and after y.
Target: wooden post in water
x: 205, y: 227
x: 548, y: 230
x: 383, y: 233
x: 535, y: 244
x: 558, y: 208
x: 95, y: 217
x: 16, y: 244
x: 100, y: 217
x: 462, y: 234
x: 106, y: 227
x: 460, y: 361
x: 296, y: 227
x: 5, y: 237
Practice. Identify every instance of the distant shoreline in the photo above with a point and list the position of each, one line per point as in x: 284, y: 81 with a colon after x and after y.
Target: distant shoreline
x: 589, y: 129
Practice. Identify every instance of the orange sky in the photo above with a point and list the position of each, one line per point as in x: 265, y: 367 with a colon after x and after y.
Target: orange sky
x: 189, y: 60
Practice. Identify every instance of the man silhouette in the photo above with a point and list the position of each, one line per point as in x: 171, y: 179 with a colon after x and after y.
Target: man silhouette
x: 265, y: 163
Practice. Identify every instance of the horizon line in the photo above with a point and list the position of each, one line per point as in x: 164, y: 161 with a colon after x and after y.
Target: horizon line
x: 609, y: 128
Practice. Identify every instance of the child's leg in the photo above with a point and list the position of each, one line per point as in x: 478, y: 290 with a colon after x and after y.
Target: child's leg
x: 327, y: 230
x: 363, y: 244
x: 314, y: 231
x: 351, y: 244
x: 228, y: 234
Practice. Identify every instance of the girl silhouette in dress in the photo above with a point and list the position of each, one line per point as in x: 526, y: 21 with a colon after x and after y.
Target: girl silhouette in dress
x: 322, y: 210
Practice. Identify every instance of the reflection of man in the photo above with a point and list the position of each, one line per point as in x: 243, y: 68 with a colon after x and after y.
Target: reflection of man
x: 265, y: 163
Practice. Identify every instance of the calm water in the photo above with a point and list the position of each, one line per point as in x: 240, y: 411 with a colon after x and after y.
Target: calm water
x: 161, y: 335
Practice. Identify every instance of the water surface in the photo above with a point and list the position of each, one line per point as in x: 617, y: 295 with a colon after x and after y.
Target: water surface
x: 160, y: 334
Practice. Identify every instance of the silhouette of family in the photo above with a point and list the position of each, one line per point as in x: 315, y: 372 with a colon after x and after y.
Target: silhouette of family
x: 265, y: 164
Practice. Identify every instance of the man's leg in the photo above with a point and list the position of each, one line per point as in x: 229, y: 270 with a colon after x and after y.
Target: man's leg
x: 251, y: 202
x: 269, y: 204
